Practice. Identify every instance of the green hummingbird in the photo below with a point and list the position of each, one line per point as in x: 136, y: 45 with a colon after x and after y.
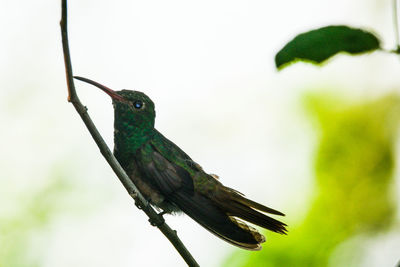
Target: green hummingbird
x: 173, y: 182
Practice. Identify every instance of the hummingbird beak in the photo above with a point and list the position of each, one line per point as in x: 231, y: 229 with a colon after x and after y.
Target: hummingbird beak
x: 107, y: 90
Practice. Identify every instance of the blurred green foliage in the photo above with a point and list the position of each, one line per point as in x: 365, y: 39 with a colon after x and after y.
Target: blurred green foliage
x: 353, y: 170
x: 31, y: 213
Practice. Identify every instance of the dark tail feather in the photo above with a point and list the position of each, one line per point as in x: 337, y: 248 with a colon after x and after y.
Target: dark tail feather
x: 239, y: 197
x: 257, y: 206
x: 244, y: 208
x: 248, y: 214
x: 214, y: 219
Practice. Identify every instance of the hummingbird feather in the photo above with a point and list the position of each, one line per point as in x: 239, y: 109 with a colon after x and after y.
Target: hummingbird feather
x: 214, y: 219
x: 239, y: 197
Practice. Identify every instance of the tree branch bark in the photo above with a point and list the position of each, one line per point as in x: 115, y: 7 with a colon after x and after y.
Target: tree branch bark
x: 395, y: 7
x: 154, y: 218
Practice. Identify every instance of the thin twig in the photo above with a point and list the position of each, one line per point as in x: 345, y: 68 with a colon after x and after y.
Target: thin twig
x: 154, y: 218
x: 396, y: 24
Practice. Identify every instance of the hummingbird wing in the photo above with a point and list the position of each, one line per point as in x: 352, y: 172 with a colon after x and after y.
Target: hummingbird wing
x: 176, y: 185
x: 164, y: 175
x: 202, y: 197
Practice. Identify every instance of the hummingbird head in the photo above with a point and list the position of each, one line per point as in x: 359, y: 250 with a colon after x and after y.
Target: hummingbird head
x: 134, y: 111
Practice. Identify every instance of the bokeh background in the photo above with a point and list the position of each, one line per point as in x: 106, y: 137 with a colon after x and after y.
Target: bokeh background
x: 319, y: 144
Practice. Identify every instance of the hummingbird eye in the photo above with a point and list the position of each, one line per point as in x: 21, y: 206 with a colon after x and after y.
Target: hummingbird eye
x: 138, y: 104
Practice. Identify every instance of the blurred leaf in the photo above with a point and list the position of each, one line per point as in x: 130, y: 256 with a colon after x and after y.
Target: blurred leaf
x: 316, y: 46
x: 354, y: 172
x: 33, y: 212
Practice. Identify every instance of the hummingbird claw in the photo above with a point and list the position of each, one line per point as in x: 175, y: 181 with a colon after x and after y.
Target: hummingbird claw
x: 138, y: 205
x: 157, y: 222
x: 163, y: 213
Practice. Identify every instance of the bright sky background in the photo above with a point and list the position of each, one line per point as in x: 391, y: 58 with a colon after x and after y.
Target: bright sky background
x: 208, y: 66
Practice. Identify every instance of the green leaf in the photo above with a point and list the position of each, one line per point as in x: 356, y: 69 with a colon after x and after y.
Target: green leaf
x: 316, y: 46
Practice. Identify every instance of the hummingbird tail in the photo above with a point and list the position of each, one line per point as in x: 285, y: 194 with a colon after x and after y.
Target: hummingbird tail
x: 237, y: 205
x: 214, y: 219
x: 239, y: 197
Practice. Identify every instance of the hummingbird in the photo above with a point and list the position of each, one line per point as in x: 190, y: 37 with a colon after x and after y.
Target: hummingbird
x: 172, y: 182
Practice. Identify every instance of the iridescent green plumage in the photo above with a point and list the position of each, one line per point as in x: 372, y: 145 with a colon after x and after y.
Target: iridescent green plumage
x: 173, y: 182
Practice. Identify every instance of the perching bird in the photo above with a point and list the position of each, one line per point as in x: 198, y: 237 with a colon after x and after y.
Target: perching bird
x: 173, y: 182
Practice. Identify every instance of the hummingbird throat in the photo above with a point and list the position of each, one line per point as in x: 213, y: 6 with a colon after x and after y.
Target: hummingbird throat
x: 132, y: 129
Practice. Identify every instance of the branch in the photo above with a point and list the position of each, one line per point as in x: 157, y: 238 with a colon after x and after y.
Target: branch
x: 395, y: 8
x: 154, y: 218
